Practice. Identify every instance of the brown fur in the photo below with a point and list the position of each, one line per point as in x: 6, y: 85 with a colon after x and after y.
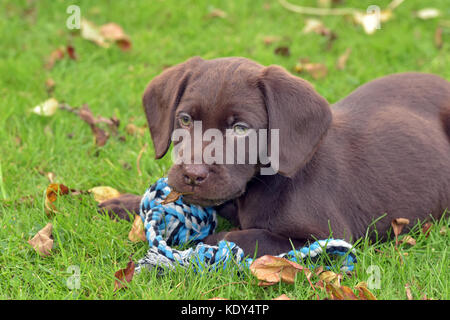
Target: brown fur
x: 383, y: 150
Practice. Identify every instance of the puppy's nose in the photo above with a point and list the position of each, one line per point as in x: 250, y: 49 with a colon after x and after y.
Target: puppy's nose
x: 195, y: 174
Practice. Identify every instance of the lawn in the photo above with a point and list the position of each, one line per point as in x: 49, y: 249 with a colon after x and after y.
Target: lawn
x: 111, y: 82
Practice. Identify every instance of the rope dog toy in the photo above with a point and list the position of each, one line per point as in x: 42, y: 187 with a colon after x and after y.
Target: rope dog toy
x: 181, y: 224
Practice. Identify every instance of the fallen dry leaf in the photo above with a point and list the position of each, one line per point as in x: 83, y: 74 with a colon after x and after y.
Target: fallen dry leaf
x: 216, y: 13
x: 71, y: 52
x: 317, y: 26
x: 268, y: 40
x: 271, y: 270
x: 101, y: 137
x: 428, y: 13
x: 56, y: 55
x: 426, y: 229
x: 408, y: 292
x: 342, y: 60
x: 91, y: 32
x: 137, y: 232
x: 105, y: 34
x: 282, y: 51
x: 132, y: 129
x: 315, y: 70
x: 408, y: 240
x: 363, y: 292
x: 174, y: 196
x: 331, y: 277
x: 124, y: 276
x: 50, y: 86
x: 42, y: 242
x: 282, y: 297
x: 103, y: 193
x: 47, y: 108
x: 397, y: 225
x: 53, y: 191
x: 112, y: 31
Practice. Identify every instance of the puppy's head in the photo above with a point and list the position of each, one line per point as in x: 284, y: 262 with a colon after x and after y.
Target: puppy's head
x: 216, y: 107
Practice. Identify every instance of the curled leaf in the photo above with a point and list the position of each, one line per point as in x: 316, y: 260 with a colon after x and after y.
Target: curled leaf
x: 364, y: 292
x: 47, y: 108
x: 124, y: 276
x: 42, y: 242
x: 103, y: 193
x: 271, y: 270
x: 397, y: 225
x: 52, y: 193
x: 137, y: 232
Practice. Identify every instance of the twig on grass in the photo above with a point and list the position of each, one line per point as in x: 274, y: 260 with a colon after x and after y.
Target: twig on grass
x: 138, y: 160
x: 330, y: 11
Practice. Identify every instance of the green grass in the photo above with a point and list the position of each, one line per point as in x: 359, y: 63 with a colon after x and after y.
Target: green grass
x: 111, y: 82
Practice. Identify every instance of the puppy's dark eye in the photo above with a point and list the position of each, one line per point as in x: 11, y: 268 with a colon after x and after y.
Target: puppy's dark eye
x: 240, y: 128
x: 185, y: 119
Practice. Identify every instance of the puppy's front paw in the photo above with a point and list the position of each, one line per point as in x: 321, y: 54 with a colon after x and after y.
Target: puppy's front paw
x: 121, y: 207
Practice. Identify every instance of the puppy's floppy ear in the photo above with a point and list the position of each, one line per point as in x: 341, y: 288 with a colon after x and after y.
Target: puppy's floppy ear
x: 299, y: 112
x: 160, y: 100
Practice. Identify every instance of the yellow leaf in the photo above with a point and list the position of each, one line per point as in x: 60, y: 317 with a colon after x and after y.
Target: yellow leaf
x: 137, y: 232
x: 47, y: 108
x: 104, y: 193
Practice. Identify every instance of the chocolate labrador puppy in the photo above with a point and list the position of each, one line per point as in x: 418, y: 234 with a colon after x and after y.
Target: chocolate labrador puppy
x: 383, y: 152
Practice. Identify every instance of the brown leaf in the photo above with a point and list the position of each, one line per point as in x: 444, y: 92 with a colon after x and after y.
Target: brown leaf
x: 137, y: 232
x: 271, y: 270
x: 103, y: 193
x: 124, y: 276
x: 50, y: 86
x: 438, y: 42
x: 52, y: 193
x: 282, y: 51
x: 342, y: 60
x: 112, y: 31
x: 316, y: 70
x: 132, y: 129
x: 268, y: 40
x: 408, y: 292
x: 334, y: 291
x: 56, y: 55
x: 174, y: 196
x: 331, y: 277
x: 101, y: 137
x: 216, y: 13
x: 426, y: 229
x: 397, y: 225
x: 71, y: 52
x: 348, y: 293
x: 282, y: 297
x: 317, y: 26
x: 408, y: 240
x: 42, y: 242
x: 363, y: 292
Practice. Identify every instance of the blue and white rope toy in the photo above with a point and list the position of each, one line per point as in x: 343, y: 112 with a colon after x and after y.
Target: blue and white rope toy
x: 177, y: 223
